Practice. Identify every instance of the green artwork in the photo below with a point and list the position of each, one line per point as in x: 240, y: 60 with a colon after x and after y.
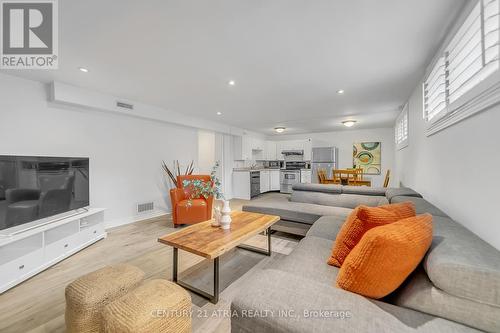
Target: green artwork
x: 367, y: 156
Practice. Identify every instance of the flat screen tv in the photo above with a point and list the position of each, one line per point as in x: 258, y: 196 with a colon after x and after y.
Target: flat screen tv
x: 34, y: 188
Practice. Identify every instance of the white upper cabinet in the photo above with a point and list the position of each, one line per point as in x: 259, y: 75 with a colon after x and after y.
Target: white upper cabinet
x: 242, y: 148
x: 270, y: 150
x: 248, y: 148
x: 251, y: 148
x: 305, y: 145
x: 257, y: 144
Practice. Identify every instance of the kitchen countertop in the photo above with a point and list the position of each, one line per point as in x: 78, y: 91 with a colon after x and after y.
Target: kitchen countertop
x: 254, y: 169
x: 260, y: 169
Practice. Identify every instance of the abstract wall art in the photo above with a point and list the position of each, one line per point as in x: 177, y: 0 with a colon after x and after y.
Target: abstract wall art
x: 367, y: 156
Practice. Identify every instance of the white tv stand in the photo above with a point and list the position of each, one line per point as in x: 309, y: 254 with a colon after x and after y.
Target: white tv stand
x: 30, y: 252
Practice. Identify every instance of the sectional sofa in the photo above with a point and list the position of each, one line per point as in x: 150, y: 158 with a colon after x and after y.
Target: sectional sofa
x: 455, y: 289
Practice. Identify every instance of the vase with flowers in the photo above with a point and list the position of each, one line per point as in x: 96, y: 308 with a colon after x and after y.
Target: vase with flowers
x: 199, y: 188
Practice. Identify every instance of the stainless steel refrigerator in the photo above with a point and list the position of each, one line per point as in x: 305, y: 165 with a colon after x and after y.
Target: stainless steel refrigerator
x: 323, y: 158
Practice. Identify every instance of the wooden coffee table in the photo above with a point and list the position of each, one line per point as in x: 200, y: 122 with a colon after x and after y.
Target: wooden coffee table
x: 211, y: 242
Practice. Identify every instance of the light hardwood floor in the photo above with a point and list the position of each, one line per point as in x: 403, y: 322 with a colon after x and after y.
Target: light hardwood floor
x: 37, y: 305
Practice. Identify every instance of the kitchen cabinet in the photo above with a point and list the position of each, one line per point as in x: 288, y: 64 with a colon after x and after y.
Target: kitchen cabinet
x: 248, y: 148
x: 257, y: 144
x: 270, y: 151
x: 274, y: 180
x: 241, y: 185
x: 264, y: 181
x: 242, y: 148
x: 269, y: 181
x: 304, y: 145
x: 305, y: 176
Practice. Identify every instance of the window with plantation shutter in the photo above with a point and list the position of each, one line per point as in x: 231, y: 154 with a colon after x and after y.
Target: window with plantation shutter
x: 465, y: 78
x: 435, y: 90
x: 401, y: 130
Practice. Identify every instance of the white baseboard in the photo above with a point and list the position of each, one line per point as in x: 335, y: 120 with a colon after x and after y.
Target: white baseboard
x: 127, y: 220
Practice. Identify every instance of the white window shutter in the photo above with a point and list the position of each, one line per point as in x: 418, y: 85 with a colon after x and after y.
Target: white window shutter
x: 471, y: 57
x: 435, y: 90
x: 401, y: 129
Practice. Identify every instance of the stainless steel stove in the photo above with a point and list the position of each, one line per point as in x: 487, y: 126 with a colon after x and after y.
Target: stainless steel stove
x: 290, y: 175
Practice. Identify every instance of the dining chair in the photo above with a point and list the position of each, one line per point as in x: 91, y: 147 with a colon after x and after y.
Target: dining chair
x: 321, y: 176
x: 387, y: 178
x: 337, y: 176
x: 323, y: 179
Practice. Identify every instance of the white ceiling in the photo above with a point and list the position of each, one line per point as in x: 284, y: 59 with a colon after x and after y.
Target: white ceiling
x: 288, y: 57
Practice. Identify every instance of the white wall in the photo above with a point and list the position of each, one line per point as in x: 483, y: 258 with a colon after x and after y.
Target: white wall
x: 206, y: 151
x: 125, y: 152
x: 457, y: 168
x: 344, y: 140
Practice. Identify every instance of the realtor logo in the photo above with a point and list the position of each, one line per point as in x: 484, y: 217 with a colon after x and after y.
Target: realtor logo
x: 29, y: 38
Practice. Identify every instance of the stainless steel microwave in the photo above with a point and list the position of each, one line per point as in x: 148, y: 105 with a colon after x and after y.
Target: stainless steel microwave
x: 275, y: 164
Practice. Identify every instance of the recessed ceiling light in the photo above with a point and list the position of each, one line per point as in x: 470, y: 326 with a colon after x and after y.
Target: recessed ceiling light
x: 231, y: 82
x: 340, y: 91
x: 83, y: 69
x: 349, y: 123
x: 219, y: 113
x: 279, y: 129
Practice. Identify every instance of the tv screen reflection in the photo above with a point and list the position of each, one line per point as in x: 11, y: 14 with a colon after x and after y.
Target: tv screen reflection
x: 34, y: 188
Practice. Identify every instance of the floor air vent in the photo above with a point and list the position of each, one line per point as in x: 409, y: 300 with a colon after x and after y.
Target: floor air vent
x: 145, y: 207
x: 125, y: 105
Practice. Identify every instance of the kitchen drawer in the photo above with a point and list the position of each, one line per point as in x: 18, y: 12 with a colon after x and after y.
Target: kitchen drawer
x: 91, y: 232
x: 20, y: 267
x: 62, y: 247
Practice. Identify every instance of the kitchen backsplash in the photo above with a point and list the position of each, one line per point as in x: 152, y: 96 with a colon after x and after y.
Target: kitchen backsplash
x: 247, y: 164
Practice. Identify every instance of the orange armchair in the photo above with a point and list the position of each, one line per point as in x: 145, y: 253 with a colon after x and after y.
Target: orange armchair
x: 200, y: 209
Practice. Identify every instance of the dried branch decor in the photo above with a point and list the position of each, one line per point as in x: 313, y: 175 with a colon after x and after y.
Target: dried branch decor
x: 177, y: 171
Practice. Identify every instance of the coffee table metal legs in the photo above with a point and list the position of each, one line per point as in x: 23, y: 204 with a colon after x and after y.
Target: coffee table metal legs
x: 215, y: 297
x: 212, y: 298
x: 258, y: 249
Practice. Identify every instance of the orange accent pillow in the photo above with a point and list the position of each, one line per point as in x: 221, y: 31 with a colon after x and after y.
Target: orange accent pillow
x: 385, y: 256
x: 361, y: 220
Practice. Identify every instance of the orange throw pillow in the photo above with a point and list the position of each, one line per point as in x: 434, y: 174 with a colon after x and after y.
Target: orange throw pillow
x: 361, y: 220
x: 385, y: 256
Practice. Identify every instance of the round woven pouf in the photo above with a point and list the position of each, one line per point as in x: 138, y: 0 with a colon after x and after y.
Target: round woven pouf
x: 87, y: 295
x: 156, y: 306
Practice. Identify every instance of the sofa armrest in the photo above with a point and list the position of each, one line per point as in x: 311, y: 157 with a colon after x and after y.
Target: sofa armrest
x: 21, y: 194
x: 277, y: 301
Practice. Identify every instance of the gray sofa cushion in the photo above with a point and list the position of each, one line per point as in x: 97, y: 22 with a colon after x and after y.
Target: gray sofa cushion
x: 325, y: 188
x: 401, y: 191
x: 326, y: 227
x: 281, y: 302
x: 420, y: 294
x: 421, y: 205
x: 295, y: 211
x: 462, y: 264
x: 337, y: 200
x: 364, y: 190
x: 308, y: 260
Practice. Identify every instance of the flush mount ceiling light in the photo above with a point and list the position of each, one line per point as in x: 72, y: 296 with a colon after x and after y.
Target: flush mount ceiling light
x: 231, y: 82
x: 349, y: 123
x: 340, y: 91
x: 219, y: 113
x: 83, y: 69
x: 279, y: 129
